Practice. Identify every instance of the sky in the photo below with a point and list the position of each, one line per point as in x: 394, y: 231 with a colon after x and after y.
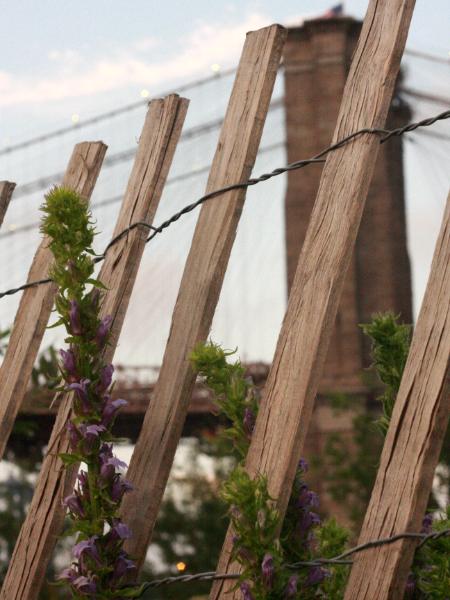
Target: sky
x: 60, y: 58
x: 62, y: 62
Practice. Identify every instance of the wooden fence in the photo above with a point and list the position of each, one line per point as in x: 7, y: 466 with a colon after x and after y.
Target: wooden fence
x: 418, y: 424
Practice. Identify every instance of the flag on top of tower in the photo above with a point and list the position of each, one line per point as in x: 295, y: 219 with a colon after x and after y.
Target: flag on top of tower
x: 334, y: 11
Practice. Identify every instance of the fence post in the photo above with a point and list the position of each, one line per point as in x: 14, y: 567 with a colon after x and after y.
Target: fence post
x: 413, y: 442
x: 287, y: 403
x: 45, y: 516
x: 36, y: 303
x: 6, y: 190
x: 201, y: 283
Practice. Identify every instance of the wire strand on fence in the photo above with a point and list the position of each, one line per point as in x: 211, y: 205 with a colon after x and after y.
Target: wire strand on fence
x: 337, y: 560
x: 125, y: 155
x: 111, y: 113
x: 384, y: 134
x: 115, y: 199
x: 140, y: 103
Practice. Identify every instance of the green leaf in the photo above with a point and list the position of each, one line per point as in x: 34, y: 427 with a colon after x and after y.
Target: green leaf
x: 70, y: 459
x: 97, y: 283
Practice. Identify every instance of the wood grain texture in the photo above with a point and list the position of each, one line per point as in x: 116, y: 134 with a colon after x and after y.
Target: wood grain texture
x: 287, y: 403
x: 201, y: 283
x: 36, y: 303
x: 413, y: 442
x: 45, y: 516
x: 6, y: 190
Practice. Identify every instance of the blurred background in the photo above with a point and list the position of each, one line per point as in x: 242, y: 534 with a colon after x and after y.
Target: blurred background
x: 86, y: 72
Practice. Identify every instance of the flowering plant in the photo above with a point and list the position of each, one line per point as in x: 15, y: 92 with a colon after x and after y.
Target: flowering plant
x: 257, y: 545
x: 100, y: 566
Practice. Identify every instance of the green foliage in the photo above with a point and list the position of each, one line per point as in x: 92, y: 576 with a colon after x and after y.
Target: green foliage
x: 255, y: 524
x: 333, y: 540
x: 69, y: 225
x: 235, y: 394
x: 431, y: 567
x: 390, y: 347
x: 4, y: 336
x: 257, y: 544
x: 350, y: 465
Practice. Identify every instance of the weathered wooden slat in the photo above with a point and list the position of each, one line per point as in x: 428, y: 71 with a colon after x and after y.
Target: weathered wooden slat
x: 36, y: 303
x: 201, y: 283
x: 6, y: 190
x: 287, y: 403
x: 413, y: 443
x: 43, y: 523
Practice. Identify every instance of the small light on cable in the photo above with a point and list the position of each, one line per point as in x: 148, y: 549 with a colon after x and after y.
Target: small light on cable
x: 75, y: 118
x: 145, y: 93
x: 181, y: 566
x: 215, y: 68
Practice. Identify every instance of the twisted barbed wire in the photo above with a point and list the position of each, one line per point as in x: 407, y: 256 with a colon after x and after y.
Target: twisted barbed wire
x: 337, y: 560
x: 385, y: 135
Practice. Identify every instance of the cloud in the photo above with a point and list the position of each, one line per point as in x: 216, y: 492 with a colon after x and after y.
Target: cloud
x: 66, y: 56
x: 77, y: 77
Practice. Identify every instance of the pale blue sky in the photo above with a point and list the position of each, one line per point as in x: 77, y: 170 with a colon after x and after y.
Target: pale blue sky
x: 60, y: 58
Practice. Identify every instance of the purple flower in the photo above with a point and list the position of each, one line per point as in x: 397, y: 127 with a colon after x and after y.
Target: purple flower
x: 427, y: 523
x: 91, y: 434
x: 249, y: 422
x: 120, y: 531
x: 85, y: 585
x: 119, y: 488
x: 74, y: 318
x: 109, y: 466
x: 122, y: 565
x: 94, y: 430
x: 110, y: 409
x: 410, y: 586
x: 291, y: 588
x: 68, y: 575
x: 74, y: 435
x: 246, y: 591
x: 73, y: 503
x: 105, y: 378
x: 105, y: 452
x: 316, y: 575
x: 242, y: 552
x: 312, y: 499
x: 267, y: 570
x: 103, y: 331
x: 87, y: 548
x: 83, y: 483
x: 69, y: 364
x: 307, y: 520
x: 81, y: 390
x: 302, y: 465
x: 306, y: 498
